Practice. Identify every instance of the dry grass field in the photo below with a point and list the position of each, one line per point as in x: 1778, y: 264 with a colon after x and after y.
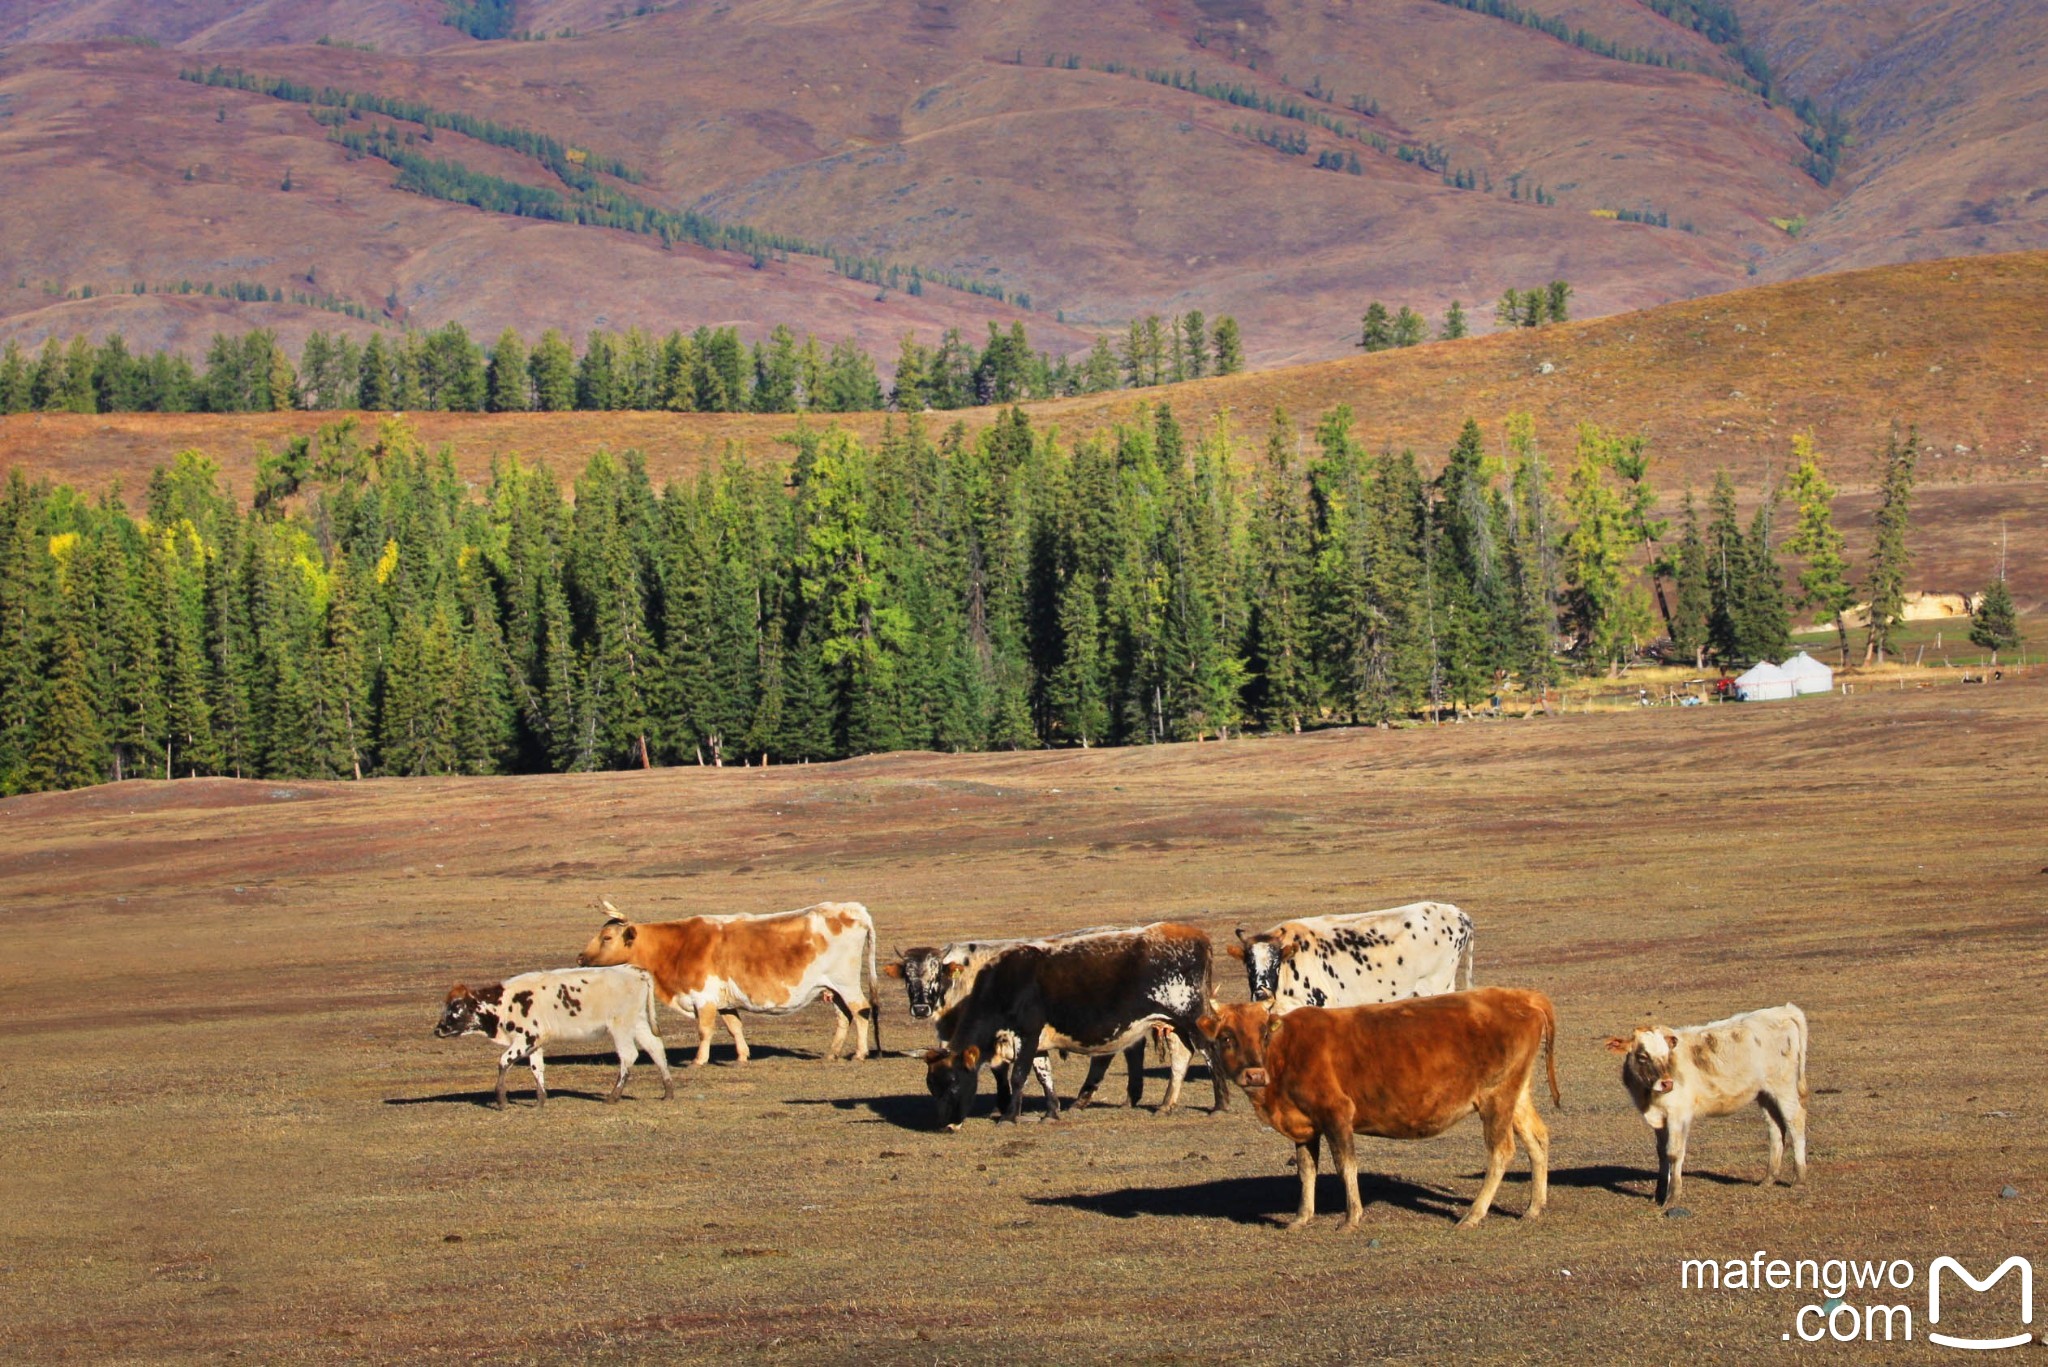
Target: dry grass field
x: 229, y: 1131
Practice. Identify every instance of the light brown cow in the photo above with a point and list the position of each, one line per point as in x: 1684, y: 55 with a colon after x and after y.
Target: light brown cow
x: 1403, y: 1070
x: 713, y: 967
x: 1677, y: 1077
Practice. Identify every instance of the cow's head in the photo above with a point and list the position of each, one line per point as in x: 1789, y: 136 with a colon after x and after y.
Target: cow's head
x: 1647, y: 1058
x: 952, y: 1079
x: 613, y: 944
x: 922, y: 976
x: 1238, y: 1035
x: 1262, y: 955
x: 468, y: 1012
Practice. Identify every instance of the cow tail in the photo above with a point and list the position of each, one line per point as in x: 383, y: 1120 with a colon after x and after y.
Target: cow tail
x: 1550, y: 1050
x: 874, y: 992
x: 1801, y: 1017
x: 1471, y: 948
x: 653, y: 1005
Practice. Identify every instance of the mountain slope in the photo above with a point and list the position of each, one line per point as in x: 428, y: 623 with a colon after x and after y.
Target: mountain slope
x: 1104, y: 160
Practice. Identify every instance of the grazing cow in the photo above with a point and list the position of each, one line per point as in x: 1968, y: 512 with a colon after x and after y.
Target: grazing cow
x: 534, y: 1012
x: 1097, y: 993
x: 1359, y: 959
x: 710, y: 967
x: 938, y: 978
x: 1676, y: 1077
x: 1402, y: 1070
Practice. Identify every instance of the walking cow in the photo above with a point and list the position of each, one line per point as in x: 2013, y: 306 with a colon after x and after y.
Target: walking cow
x: 714, y: 967
x: 533, y: 1012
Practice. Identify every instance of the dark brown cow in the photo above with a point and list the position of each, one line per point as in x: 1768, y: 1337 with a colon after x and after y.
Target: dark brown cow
x: 1402, y: 1070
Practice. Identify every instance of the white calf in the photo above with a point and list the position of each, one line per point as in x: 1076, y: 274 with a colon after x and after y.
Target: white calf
x: 534, y: 1012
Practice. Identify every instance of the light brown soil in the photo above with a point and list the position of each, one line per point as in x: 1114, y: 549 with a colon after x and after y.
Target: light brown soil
x: 228, y: 1130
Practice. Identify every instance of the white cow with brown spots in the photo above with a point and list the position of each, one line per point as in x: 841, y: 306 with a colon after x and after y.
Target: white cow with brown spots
x: 1677, y: 1077
x: 1358, y: 958
x: 534, y: 1012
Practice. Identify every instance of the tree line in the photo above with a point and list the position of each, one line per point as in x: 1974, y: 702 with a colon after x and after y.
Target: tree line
x: 369, y: 612
x: 710, y: 370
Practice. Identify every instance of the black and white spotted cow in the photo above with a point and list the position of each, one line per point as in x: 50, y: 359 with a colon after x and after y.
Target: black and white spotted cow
x: 1359, y: 959
x: 1098, y: 993
x: 534, y: 1012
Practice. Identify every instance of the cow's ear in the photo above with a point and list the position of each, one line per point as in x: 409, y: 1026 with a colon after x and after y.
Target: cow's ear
x: 893, y: 971
x: 1271, y: 1029
x: 1207, y: 1026
x: 1670, y: 1040
x: 631, y: 931
x: 1234, y: 951
x: 1289, y: 948
x: 970, y: 1058
x: 1617, y: 1045
x: 932, y: 1056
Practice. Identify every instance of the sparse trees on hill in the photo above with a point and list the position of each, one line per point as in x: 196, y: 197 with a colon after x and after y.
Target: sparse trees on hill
x: 1535, y: 307
x: 1995, y: 624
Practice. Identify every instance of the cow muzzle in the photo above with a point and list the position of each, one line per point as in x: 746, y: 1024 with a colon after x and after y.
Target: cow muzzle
x: 1664, y: 1084
x: 918, y: 1011
x: 1251, y: 1079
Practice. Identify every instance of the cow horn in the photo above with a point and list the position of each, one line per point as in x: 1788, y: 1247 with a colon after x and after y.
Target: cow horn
x: 1242, y: 936
x: 609, y: 907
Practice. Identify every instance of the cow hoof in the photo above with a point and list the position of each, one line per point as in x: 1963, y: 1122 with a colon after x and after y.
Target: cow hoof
x: 1468, y: 1223
x: 952, y: 1129
x: 1299, y: 1222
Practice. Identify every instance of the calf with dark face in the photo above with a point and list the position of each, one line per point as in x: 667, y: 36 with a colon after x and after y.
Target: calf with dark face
x: 1357, y: 958
x: 1100, y: 993
x: 534, y: 1012
x: 1403, y: 1070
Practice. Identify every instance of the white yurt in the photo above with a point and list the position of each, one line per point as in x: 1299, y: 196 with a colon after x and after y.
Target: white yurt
x: 1763, y: 682
x: 1809, y: 675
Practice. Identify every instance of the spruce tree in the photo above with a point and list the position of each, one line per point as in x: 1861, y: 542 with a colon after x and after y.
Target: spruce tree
x: 510, y: 386
x: 1227, y: 345
x: 373, y: 385
x: 1455, y: 324
x: 1407, y: 329
x: 1824, y: 571
x: 1995, y: 624
x: 1282, y: 681
x: 1766, y: 625
x: 1889, y: 553
x: 1376, y: 328
x: 1691, y: 588
x: 553, y: 370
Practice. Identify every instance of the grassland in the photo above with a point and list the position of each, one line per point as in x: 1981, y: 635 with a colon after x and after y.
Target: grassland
x: 231, y: 1133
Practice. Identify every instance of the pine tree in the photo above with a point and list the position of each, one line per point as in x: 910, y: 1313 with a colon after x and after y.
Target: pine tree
x: 1533, y: 558
x: 1227, y: 346
x: 1691, y: 588
x: 373, y: 385
x: 70, y: 746
x: 1455, y: 324
x: 1282, y: 682
x: 17, y: 383
x: 1889, y: 554
x: 1194, y: 348
x: 1407, y: 329
x: 1995, y: 624
x: 1376, y: 328
x: 1555, y: 304
x: 1766, y: 625
x: 553, y: 369
x: 1605, y: 607
x: 1824, y: 571
x: 1726, y: 577
x: 510, y: 386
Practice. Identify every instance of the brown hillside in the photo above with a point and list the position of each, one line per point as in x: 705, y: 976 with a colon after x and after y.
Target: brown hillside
x: 936, y: 133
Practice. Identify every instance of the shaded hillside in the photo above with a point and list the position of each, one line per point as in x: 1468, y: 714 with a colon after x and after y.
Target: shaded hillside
x: 1104, y: 160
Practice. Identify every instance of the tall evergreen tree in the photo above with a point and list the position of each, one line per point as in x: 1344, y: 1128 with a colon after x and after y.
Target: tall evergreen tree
x: 1824, y: 571
x: 553, y: 369
x: 1889, y: 553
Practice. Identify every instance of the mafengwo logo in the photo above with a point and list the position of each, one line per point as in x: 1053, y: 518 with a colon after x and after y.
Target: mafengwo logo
x: 1873, y: 1301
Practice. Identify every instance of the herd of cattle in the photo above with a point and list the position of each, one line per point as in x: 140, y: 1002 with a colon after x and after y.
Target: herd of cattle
x: 1357, y: 1025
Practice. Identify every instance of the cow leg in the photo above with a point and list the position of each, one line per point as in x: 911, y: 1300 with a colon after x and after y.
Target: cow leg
x: 1774, y: 1124
x: 504, y: 1066
x: 863, y: 1014
x: 1020, y: 1072
x: 1344, y: 1153
x: 1674, y: 1160
x: 1177, y: 1072
x: 838, y: 1026
x: 1098, y: 1067
x: 739, y: 1039
x: 1499, y: 1119
x: 1535, y: 1137
x: 1306, y: 1157
x: 629, y: 1054
x: 646, y: 1039
x: 540, y: 1077
x: 1041, y: 1068
x: 707, y: 1026
x: 1795, y: 1117
x: 1134, y: 1074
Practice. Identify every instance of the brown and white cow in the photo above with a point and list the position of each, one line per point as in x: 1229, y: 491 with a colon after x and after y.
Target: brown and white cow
x: 1097, y: 993
x: 1677, y: 1077
x: 713, y: 967
x: 1401, y: 1070
x: 1357, y: 958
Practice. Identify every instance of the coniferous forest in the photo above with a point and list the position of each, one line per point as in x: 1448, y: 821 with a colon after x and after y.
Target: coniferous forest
x: 707, y: 371
x: 371, y: 612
